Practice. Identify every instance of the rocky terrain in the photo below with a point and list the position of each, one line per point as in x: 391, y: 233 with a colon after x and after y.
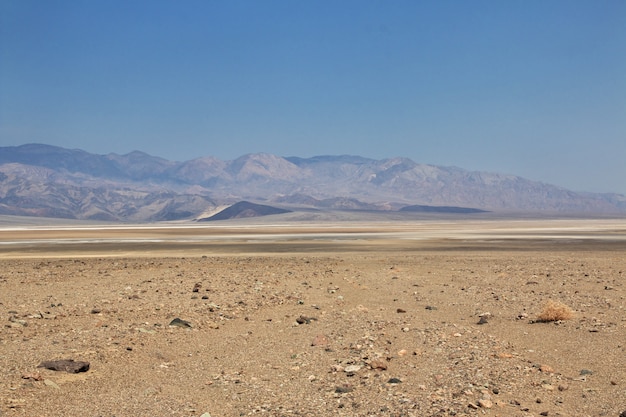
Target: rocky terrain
x: 310, y: 326
x: 48, y: 181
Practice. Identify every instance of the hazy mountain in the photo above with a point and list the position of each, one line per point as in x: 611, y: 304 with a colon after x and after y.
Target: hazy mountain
x: 43, y: 180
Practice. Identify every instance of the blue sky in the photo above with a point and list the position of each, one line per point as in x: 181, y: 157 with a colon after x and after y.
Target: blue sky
x: 532, y: 88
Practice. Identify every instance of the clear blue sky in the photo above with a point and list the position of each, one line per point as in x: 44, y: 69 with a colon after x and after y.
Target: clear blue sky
x: 527, y: 87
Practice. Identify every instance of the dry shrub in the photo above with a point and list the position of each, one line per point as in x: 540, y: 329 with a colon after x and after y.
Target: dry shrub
x: 555, y: 311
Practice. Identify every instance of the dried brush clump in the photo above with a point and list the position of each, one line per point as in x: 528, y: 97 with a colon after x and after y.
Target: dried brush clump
x: 555, y: 311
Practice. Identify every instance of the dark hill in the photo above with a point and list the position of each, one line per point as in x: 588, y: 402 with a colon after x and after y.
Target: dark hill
x: 244, y: 209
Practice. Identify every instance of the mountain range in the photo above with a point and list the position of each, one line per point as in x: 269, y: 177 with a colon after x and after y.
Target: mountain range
x: 50, y: 181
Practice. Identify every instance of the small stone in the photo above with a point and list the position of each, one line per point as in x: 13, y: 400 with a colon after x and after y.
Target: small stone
x: 431, y: 308
x: 483, y: 320
x: 206, y: 415
x: 17, y: 322
x: 378, y: 364
x: 343, y: 389
x: 547, y: 369
x: 143, y: 330
x: 352, y: 369
x: 585, y: 372
x: 320, y: 340
x: 543, y: 413
x: 485, y: 403
x: 95, y: 311
x: 305, y: 320
x: 400, y: 310
x: 197, y: 287
x: 336, y: 368
x: 180, y: 323
x: 394, y: 381
x: 563, y: 387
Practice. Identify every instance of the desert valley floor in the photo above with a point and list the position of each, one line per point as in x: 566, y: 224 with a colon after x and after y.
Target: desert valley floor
x: 424, y: 318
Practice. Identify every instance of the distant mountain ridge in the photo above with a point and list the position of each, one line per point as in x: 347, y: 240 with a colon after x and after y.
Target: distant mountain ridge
x: 45, y: 180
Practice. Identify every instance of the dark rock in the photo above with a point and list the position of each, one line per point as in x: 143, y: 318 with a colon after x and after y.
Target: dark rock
x: 394, y: 381
x: 483, y: 320
x: 305, y: 320
x: 67, y: 365
x: 180, y: 323
x: 431, y: 308
x: 343, y: 389
x: 401, y: 310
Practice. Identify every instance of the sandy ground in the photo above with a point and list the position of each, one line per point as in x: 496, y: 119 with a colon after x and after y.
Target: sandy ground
x: 310, y: 320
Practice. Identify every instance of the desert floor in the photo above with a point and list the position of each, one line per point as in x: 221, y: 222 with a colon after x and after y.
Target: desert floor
x: 349, y: 319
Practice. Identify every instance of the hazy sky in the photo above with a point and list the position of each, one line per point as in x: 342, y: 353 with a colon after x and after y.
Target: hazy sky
x: 532, y: 88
